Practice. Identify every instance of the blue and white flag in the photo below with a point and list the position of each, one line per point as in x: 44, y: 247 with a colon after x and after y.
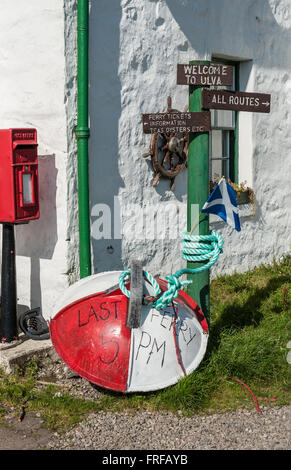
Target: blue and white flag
x: 222, y: 202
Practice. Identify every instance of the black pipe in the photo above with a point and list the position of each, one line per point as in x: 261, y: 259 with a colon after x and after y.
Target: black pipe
x: 8, y: 324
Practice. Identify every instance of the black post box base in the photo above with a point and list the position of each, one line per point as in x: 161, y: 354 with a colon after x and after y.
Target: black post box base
x: 8, y: 323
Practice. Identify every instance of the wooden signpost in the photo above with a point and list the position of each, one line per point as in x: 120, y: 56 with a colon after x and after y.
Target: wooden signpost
x: 167, y: 123
x: 204, y: 73
x: 236, y: 101
x: 199, y: 76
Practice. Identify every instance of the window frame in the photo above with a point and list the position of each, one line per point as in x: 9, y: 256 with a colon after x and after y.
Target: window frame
x: 234, y: 136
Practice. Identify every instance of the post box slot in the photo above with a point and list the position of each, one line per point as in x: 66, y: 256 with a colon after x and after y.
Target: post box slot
x: 25, y: 153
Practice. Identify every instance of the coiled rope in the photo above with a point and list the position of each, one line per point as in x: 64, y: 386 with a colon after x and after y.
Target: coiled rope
x: 195, y: 248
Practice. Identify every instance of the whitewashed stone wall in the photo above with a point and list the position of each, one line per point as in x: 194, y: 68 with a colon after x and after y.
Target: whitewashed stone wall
x: 135, y: 48
x: 32, y: 90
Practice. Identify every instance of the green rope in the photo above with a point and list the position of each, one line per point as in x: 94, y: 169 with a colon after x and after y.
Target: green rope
x: 194, y: 248
x: 147, y: 275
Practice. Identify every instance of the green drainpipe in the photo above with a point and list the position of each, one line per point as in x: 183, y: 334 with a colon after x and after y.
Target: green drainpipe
x: 82, y: 134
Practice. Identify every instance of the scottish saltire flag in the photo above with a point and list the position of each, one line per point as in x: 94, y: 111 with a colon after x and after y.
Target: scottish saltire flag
x: 222, y: 202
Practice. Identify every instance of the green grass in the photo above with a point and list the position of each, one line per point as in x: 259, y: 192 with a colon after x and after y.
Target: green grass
x: 249, y: 331
x: 59, y: 410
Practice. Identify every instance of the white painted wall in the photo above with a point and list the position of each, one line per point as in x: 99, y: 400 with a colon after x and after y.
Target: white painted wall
x: 32, y: 85
x: 135, y: 48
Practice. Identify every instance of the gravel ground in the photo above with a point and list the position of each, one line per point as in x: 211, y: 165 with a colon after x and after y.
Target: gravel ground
x: 239, y: 430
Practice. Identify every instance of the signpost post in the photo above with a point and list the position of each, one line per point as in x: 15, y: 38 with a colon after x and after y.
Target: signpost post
x: 197, y: 193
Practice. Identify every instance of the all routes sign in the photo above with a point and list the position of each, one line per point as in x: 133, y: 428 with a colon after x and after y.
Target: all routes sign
x: 236, y: 101
x: 176, y: 122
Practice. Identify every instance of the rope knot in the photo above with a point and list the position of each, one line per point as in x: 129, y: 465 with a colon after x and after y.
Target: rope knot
x: 174, y: 285
x: 198, y: 248
x: 218, y: 240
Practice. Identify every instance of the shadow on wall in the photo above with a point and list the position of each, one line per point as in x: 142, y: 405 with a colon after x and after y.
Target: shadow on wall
x: 105, y: 111
x: 37, y: 239
x: 257, y: 27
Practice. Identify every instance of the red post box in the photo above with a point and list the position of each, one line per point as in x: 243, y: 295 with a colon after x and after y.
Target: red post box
x: 19, y: 200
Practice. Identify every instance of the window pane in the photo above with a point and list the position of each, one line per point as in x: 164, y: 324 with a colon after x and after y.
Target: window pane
x: 216, y: 144
x: 225, y: 168
x: 216, y: 171
x: 226, y: 143
x: 223, y: 118
x: 221, y: 138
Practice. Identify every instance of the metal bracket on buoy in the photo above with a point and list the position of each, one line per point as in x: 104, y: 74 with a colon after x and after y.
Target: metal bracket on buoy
x: 133, y: 319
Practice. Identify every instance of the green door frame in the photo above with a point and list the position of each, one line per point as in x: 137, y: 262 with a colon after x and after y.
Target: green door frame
x: 233, y: 164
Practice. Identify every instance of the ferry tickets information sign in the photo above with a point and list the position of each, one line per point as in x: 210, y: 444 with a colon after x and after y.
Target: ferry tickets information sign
x: 167, y: 123
x: 236, y: 101
x: 207, y: 75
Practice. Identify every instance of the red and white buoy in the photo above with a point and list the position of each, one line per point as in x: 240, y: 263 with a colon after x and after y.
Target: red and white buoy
x: 88, y: 330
